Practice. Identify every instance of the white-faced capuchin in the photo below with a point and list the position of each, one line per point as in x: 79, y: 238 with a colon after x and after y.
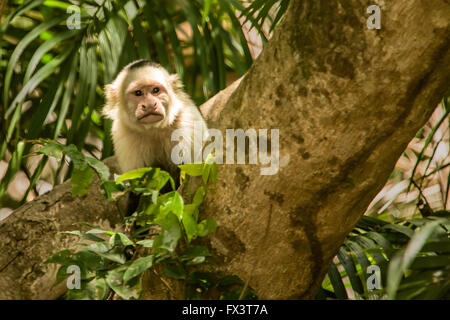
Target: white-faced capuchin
x: 147, y: 104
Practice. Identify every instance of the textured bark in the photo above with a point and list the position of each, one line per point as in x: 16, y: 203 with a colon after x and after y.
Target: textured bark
x: 346, y: 99
x: 30, y: 235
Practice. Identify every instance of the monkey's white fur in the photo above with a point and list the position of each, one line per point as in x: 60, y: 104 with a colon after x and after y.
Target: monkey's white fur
x: 138, y: 144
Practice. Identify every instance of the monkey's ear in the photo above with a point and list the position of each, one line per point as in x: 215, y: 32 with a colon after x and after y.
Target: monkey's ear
x: 112, y: 99
x: 175, y: 82
x: 111, y: 93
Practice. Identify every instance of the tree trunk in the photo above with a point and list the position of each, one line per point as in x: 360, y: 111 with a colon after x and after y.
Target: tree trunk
x: 346, y: 101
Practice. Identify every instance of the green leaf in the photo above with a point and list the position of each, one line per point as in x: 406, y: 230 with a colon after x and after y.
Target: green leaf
x: 97, y: 289
x: 112, y: 191
x: 61, y: 257
x: 81, y: 181
x: 194, y: 251
x: 209, y: 170
x: 205, y: 11
x: 191, y: 210
x: 199, y: 43
x: 139, y: 33
x: 109, y: 58
x: 75, y: 232
x: 86, y: 121
x: 368, y: 244
x: 66, y: 97
x: 52, y: 149
x: 171, y: 202
x: 138, y: 266
x: 350, y: 270
x: 45, y: 47
x: 400, y: 229
x: 13, y: 166
x: 126, y: 290
x: 145, y: 243
x: 431, y: 262
x: 378, y: 238
x: 80, y: 98
x: 78, y: 158
x: 192, y: 169
x: 57, y: 4
x: 119, y: 239
x: 20, y: 48
x: 100, y: 231
x: 47, y: 104
x: 61, y: 274
x: 357, y: 253
x: 159, y: 180
x: 104, y: 250
x: 92, y: 237
x: 404, y: 258
x: 206, y: 227
x: 101, y: 168
x: 441, y: 245
x: 418, y: 240
x: 86, y: 224
x: 159, y: 42
x: 213, y: 174
x: 199, y: 196
x: 133, y: 174
x: 336, y: 281
x: 428, y: 140
x: 282, y: 9
x: 24, y: 7
x: 91, y: 260
x: 175, y: 272
x: 170, y: 28
x: 190, y: 227
x: 170, y: 234
x: 37, y: 78
x: 367, y: 222
x: 237, y: 26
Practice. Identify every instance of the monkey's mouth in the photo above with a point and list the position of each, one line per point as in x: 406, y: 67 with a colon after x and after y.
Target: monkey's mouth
x: 150, y: 117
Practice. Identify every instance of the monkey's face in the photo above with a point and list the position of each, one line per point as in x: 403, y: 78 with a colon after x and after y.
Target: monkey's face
x: 146, y: 96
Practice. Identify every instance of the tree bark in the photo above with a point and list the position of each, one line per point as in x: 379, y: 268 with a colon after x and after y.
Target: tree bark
x: 30, y: 235
x: 346, y: 101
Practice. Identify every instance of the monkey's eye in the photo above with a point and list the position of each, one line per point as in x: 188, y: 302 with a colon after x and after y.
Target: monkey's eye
x: 138, y: 93
x: 155, y: 90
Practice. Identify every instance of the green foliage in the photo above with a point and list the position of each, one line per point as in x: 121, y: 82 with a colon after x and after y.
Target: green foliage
x: 84, y: 166
x: 413, y: 256
x: 52, y: 77
x: 163, y: 224
x: 421, y: 156
x: 258, y: 12
x: 230, y: 286
x: 424, y: 265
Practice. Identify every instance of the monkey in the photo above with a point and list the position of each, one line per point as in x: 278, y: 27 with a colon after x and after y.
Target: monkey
x: 147, y: 104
